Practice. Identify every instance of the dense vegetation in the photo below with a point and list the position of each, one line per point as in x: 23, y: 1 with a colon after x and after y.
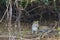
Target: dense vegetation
x: 2, y: 7
x: 47, y: 13
x: 44, y: 11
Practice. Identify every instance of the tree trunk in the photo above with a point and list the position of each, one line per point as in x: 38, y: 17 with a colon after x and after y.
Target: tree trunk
x: 9, y: 18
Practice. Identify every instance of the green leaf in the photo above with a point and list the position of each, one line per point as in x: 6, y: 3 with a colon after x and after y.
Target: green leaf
x: 3, y: 1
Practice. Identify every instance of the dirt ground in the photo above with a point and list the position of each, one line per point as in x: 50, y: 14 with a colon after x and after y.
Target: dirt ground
x: 57, y: 38
x: 43, y: 39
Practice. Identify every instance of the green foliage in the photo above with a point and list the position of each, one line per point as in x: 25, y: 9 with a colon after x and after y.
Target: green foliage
x: 22, y: 3
x: 46, y: 2
x: 3, y: 1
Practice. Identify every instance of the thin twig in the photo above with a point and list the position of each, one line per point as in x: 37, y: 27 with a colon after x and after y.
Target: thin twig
x: 26, y: 5
x: 4, y: 14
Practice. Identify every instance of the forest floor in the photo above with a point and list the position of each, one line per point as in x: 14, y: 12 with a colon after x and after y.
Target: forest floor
x: 4, y: 31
